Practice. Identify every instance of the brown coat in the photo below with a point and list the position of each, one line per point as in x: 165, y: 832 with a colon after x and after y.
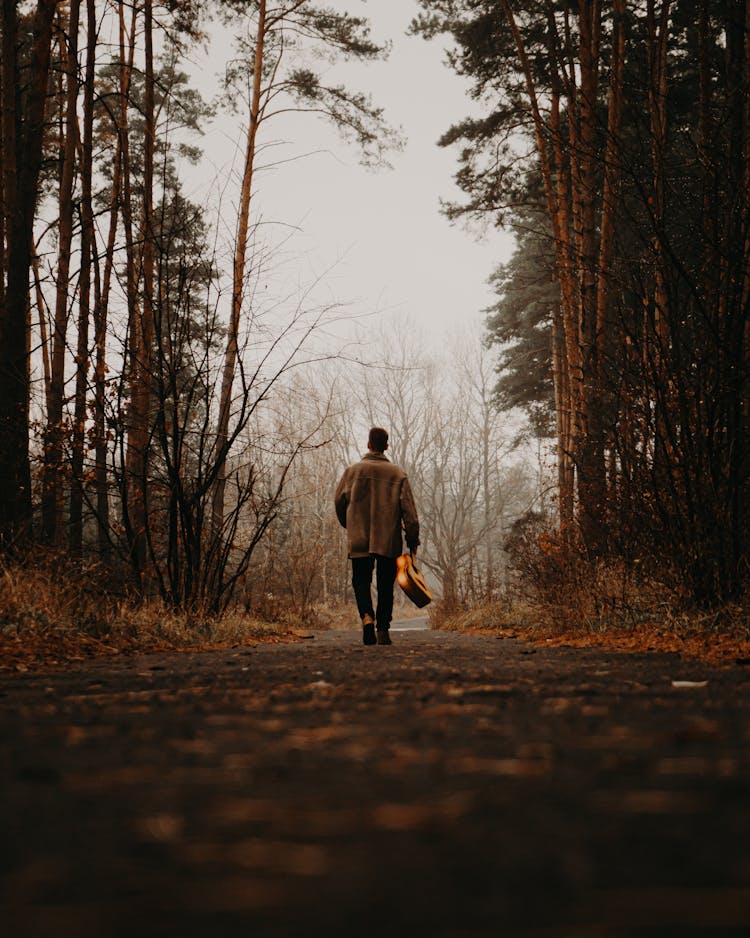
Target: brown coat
x: 374, y: 502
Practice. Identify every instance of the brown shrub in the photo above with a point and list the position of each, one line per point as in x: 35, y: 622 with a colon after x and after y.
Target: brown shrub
x: 49, y: 597
x: 573, y: 590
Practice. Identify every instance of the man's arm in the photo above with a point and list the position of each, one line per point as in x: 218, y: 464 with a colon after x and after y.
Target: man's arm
x: 341, y: 499
x: 409, y: 517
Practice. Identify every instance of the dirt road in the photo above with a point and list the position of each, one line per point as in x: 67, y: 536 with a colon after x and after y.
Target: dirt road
x: 445, y: 786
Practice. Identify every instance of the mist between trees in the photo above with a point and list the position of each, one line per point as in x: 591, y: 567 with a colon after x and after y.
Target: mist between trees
x: 164, y: 414
x: 471, y: 479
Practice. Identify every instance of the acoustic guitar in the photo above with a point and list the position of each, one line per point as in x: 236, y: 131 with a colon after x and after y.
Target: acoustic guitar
x: 412, y: 581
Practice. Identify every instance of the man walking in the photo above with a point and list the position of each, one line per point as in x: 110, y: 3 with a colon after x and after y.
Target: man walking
x: 374, y: 503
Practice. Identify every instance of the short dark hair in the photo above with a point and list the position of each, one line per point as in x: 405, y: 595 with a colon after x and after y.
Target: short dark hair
x: 378, y: 439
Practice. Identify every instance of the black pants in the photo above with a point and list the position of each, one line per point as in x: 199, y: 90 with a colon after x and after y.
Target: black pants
x: 362, y: 568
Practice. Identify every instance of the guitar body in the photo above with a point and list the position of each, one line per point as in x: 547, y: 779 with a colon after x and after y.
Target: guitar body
x: 412, y: 581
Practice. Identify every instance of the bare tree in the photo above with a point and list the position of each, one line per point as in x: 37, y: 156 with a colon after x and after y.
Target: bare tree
x: 279, y: 85
x: 84, y: 287
x: 52, y: 495
x: 448, y: 435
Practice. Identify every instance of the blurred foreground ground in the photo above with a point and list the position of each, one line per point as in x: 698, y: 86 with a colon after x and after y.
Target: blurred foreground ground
x: 449, y: 785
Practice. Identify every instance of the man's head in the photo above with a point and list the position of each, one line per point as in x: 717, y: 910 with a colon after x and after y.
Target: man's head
x: 378, y: 440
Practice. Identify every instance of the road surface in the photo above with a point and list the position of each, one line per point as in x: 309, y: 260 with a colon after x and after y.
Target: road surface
x: 447, y: 785
x: 416, y: 624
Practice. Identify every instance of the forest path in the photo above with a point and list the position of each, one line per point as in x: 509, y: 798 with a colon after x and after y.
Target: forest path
x: 448, y: 785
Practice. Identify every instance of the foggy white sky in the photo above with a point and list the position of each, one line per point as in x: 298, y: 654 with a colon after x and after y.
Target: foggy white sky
x: 377, y: 235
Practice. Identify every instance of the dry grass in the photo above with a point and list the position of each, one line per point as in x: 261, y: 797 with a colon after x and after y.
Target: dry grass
x: 574, y: 600
x: 333, y: 616
x: 488, y: 617
x: 719, y: 637
x: 51, y: 613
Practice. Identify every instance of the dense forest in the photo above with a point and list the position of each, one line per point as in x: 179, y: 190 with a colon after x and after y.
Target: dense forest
x: 161, y: 420
x: 616, y: 138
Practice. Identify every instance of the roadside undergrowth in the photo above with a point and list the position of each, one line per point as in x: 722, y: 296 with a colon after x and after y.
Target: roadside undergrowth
x: 561, y: 595
x: 52, y: 613
x: 721, y: 636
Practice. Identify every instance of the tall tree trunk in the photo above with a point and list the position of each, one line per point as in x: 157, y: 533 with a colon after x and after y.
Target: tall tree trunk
x: 490, y: 519
x: 556, y: 175
x: 52, y: 491
x: 84, y: 288
x: 238, y: 283
x: 733, y: 328
x: 41, y: 307
x: 3, y: 207
x: 743, y: 514
x: 143, y: 328
x: 705, y: 138
x: 10, y: 116
x: 657, y: 94
x: 561, y: 388
x: 23, y: 155
x: 583, y: 232
x: 101, y: 307
x: 131, y: 270
x: 608, y: 216
x: 590, y: 455
x: 566, y: 324
x: 120, y: 194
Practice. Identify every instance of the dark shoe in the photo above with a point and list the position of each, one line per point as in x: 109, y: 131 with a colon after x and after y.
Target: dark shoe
x: 368, y: 630
x: 383, y: 637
